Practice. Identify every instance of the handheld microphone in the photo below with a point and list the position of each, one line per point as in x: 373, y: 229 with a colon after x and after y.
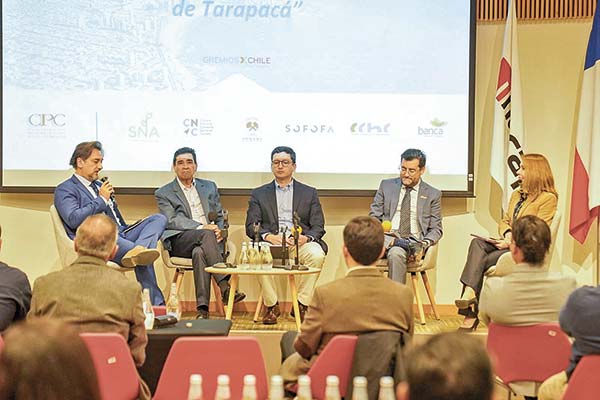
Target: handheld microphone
x: 297, y: 228
x: 225, y: 230
x: 256, y: 228
x: 386, y: 225
x: 285, y: 255
x: 212, y: 217
x: 112, y: 195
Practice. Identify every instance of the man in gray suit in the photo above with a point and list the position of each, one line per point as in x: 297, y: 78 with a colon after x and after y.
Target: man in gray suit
x: 414, y: 209
x: 194, y: 222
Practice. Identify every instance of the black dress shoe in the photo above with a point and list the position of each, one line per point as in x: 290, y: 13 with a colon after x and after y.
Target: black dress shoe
x: 468, y: 326
x: 202, y: 314
x: 302, y: 308
x: 239, y: 296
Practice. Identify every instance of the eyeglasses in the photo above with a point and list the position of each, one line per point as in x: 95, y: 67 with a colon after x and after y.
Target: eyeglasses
x: 409, y: 171
x: 284, y: 163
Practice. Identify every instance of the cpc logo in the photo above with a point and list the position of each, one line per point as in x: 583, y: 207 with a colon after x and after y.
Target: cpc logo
x: 47, y: 120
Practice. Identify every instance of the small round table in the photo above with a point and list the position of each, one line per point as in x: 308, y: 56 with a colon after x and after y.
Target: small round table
x: 236, y: 272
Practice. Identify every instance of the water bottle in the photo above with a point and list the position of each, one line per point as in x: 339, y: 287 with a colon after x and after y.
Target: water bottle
x: 253, y: 258
x: 267, y: 258
x: 386, y: 388
x: 276, y: 390
x: 223, y: 392
x: 195, y: 390
x: 148, y: 311
x: 359, y: 388
x: 249, y: 390
x: 243, y: 264
x: 332, y: 388
x: 304, y: 392
x: 173, y: 303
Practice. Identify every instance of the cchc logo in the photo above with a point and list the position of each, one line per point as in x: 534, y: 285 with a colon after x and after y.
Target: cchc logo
x: 436, y: 129
x: 252, y: 126
x: 308, y: 128
x: 366, y: 128
x: 46, y: 120
x: 197, y: 127
x: 144, y: 130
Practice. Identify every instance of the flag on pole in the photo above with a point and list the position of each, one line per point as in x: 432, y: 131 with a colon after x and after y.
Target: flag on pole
x: 507, y: 137
x: 585, y: 192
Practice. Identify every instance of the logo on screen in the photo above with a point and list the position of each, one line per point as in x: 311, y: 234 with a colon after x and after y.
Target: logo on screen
x: 198, y: 127
x: 46, y: 120
x: 370, y: 128
x: 252, y: 127
x: 144, y: 131
x: 436, y: 128
x: 309, y: 129
x: 46, y: 125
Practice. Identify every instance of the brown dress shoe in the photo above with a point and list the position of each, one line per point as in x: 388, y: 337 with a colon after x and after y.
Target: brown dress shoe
x: 302, y: 308
x: 139, y: 255
x: 270, y: 317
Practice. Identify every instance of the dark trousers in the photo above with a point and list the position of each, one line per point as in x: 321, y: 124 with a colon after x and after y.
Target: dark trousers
x: 287, y: 344
x: 481, y: 256
x: 201, y: 246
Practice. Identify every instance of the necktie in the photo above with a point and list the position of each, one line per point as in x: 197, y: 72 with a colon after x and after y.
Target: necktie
x: 405, y: 213
x: 95, y: 188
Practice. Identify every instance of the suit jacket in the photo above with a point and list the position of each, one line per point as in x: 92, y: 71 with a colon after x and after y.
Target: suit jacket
x: 74, y: 203
x: 94, y: 298
x: 363, y: 301
x: 429, y: 206
x: 173, y: 204
x: 529, y: 295
x: 544, y: 207
x: 262, y: 207
x: 15, y: 295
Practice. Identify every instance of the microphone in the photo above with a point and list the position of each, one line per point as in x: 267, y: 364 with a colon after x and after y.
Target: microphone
x: 297, y: 228
x: 112, y: 195
x: 212, y: 217
x: 386, y: 225
x: 225, y: 230
x: 256, y: 228
x: 285, y: 255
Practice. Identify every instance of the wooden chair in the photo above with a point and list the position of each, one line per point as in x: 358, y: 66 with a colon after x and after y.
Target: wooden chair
x: 414, y: 269
x: 584, y: 383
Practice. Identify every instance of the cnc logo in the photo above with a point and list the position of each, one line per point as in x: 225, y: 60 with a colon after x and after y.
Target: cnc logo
x: 145, y: 131
x: 370, y: 128
x: 198, y: 127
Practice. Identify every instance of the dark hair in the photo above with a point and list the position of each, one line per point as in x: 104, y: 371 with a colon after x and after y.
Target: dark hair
x: 363, y: 237
x: 83, y: 150
x: 411, y: 154
x: 450, y: 366
x: 184, y: 150
x: 45, y: 358
x: 284, y: 149
x: 532, y: 235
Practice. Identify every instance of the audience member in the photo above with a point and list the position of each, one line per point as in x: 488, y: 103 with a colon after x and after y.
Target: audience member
x: 83, y: 195
x: 15, y: 294
x: 273, y: 207
x: 91, y: 295
x: 187, y: 203
x: 536, y: 196
x: 448, y: 366
x: 414, y: 209
x: 580, y: 319
x: 46, y: 359
x: 363, y: 301
x: 530, y: 294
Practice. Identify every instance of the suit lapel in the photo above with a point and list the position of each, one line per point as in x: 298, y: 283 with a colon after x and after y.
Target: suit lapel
x: 394, y: 197
x: 421, y: 199
x: 81, y: 187
x: 203, y: 197
x: 181, y: 197
x: 296, y: 197
x: 272, y: 200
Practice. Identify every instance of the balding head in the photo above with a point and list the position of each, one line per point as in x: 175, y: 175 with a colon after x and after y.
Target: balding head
x: 97, y: 237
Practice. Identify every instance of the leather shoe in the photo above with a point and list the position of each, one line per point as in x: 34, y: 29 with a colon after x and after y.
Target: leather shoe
x: 270, y: 317
x: 239, y: 296
x: 469, y: 324
x: 139, y: 255
x: 202, y: 314
x: 302, y: 308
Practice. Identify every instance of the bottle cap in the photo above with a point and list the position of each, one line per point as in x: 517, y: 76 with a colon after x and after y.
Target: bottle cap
x: 360, y: 381
x: 249, y: 380
x: 304, y: 380
x: 196, y: 378
x: 387, y: 381
x: 332, y: 380
x: 276, y: 380
x: 223, y: 380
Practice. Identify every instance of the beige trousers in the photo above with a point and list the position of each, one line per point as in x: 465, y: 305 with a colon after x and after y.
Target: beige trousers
x: 554, y: 387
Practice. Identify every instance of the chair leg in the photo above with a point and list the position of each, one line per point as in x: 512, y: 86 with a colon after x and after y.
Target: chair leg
x: 429, y: 293
x: 415, y: 281
x: 177, y: 279
x: 258, y: 307
x: 218, y: 296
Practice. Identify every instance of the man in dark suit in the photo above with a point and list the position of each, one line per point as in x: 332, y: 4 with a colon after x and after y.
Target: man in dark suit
x: 83, y: 195
x: 194, y: 222
x: 414, y: 209
x: 15, y: 294
x: 273, y: 206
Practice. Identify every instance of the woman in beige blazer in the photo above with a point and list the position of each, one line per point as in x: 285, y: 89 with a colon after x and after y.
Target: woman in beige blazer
x: 536, y: 196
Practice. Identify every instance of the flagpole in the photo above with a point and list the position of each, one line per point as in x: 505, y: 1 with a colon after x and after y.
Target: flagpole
x: 597, y: 250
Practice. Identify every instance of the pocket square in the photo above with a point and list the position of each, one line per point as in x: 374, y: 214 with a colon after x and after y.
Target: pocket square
x: 423, y: 197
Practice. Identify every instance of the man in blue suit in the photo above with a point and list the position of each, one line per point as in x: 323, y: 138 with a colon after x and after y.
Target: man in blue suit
x: 414, y: 209
x: 194, y: 222
x: 83, y: 195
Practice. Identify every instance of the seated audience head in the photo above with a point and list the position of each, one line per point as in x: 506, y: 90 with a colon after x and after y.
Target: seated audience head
x: 363, y: 241
x: 46, y: 359
x: 535, y: 175
x: 531, y: 239
x: 87, y: 160
x: 412, y: 166
x: 283, y: 163
x: 449, y: 366
x: 97, y: 237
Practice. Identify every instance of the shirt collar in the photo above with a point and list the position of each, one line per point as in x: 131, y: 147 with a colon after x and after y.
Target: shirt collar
x: 286, y: 187
x: 416, y: 187
x: 183, y: 187
x: 83, y: 180
x: 357, y: 268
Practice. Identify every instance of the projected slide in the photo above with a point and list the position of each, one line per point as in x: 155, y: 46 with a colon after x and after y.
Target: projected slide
x: 348, y: 84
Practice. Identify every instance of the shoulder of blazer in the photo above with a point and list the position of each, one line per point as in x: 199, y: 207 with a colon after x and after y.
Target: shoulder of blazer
x: 301, y: 186
x: 264, y: 188
x: 427, y: 187
x: 169, y: 187
x: 205, y: 182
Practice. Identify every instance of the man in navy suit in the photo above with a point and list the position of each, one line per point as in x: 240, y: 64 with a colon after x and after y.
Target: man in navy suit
x: 83, y: 195
x: 273, y: 206
x: 187, y: 203
x: 414, y: 209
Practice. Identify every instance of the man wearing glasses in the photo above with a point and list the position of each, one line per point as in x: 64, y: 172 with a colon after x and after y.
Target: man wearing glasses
x: 414, y: 209
x: 273, y: 206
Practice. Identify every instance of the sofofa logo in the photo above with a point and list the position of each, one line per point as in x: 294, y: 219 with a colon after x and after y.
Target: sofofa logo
x: 144, y: 131
x: 309, y: 128
x: 369, y: 128
x: 436, y: 128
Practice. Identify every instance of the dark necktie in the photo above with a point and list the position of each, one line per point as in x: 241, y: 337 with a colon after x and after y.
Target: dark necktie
x: 95, y: 188
x: 405, y: 213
